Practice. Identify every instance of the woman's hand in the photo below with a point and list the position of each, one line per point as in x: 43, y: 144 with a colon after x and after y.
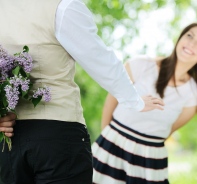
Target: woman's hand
x: 6, y: 124
x: 152, y: 103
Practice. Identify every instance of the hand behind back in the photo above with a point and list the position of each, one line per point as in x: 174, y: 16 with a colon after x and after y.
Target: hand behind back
x: 6, y: 124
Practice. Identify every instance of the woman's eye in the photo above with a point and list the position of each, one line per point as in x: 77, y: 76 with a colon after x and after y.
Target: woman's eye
x: 189, y: 35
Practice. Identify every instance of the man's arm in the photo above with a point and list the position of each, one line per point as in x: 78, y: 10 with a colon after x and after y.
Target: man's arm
x: 77, y: 33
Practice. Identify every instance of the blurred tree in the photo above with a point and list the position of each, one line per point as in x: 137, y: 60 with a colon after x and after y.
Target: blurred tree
x: 109, y: 15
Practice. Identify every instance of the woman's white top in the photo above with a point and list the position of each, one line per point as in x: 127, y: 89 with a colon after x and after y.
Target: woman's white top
x: 77, y: 33
x: 157, y: 122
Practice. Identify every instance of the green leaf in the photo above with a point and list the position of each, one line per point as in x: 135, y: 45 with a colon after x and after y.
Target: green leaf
x: 23, y: 73
x: 3, y: 85
x: 3, y: 111
x: 5, y: 102
x: 25, y: 94
x: 17, y: 54
x: 25, y: 48
x: 16, y: 70
x: 1, y: 136
x: 30, y: 85
x: 9, y: 142
x: 35, y: 101
x: 28, y: 75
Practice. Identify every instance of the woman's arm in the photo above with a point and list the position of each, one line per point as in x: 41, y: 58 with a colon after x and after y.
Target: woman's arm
x: 111, y: 103
x: 108, y: 109
x: 184, y: 117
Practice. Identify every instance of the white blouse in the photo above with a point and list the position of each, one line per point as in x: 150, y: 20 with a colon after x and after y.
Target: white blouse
x: 77, y: 33
x: 157, y: 123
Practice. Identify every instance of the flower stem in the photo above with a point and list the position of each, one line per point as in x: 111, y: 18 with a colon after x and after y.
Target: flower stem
x: 8, y: 141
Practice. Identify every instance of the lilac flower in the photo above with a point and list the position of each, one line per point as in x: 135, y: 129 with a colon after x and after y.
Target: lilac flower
x: 16, y: 81
x: 24, y: 60
x: 45, y: 92
x: 6, y: 64
x: 12, y: 95
x: 25, y: 84
x: 3, y: 52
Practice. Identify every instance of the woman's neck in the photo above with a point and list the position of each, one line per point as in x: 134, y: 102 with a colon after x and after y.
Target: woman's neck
x: 181, y: 74
x: 181, y: 71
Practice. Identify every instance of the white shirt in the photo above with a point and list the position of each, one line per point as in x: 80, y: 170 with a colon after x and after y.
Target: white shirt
x: 77, y: 33
x: 156, y: 122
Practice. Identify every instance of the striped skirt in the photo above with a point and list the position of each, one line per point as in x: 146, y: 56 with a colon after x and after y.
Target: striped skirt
x: 122, y: 155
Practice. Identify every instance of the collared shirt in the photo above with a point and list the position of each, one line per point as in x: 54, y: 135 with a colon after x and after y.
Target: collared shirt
x: 76, y: 31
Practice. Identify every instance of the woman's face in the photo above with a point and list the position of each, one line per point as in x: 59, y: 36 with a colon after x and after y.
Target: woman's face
x: 187, y: 47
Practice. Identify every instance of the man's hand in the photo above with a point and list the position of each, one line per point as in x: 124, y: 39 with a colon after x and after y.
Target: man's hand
x: 6, y: 124
x: 152, y: 103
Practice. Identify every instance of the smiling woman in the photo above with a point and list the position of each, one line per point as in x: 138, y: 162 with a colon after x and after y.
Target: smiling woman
x: 180, y: 66
x: 131, y: 146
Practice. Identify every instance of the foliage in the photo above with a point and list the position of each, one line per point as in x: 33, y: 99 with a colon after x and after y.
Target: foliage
x: 109, y: 14
x: 187, y: 136
x: 182, y: 167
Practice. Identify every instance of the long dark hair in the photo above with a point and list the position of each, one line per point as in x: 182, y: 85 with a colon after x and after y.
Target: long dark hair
x: 168, y: 65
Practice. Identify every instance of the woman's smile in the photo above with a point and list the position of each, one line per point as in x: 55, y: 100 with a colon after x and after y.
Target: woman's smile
x: 188, y: 51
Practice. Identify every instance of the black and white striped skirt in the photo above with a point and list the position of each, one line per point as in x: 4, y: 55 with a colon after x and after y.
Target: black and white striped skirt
x: 122, y: 155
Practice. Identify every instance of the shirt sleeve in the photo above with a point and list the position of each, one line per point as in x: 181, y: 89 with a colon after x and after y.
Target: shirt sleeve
x: 77, y: 33
x: 191, y: 103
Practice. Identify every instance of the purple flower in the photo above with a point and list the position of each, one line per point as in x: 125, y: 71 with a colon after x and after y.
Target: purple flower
x: 12, y: 95
x: 16, y: 81
x: 6, y: 64
x: 25, y: 84
x: 25, y: 61
x: 14, y: 75
x: 3, y: 52
x: 45, y: 92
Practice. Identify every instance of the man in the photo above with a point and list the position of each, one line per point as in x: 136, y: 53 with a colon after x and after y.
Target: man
x: 50, y: 142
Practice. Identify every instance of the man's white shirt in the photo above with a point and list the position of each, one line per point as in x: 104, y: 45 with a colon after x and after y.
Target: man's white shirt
x: 76, y: 31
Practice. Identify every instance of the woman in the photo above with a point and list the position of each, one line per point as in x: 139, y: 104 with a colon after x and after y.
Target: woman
x: 131, y: 147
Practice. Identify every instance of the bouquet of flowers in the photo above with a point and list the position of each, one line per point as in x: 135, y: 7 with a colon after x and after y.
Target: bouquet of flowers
x: 15, y: 84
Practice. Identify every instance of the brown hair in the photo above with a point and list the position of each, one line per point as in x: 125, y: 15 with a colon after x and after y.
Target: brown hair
x: 168, y: 65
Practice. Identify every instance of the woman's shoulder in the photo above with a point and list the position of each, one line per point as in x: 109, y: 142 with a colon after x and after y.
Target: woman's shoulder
x: 141, y: 65
x: 159, y: 59
x: 144, y: 59
x: 143, y: 62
